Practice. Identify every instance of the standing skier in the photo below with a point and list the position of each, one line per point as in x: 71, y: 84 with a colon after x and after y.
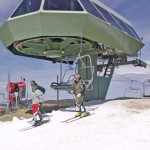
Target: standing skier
x: 78, y: 88
x: 38, y: 98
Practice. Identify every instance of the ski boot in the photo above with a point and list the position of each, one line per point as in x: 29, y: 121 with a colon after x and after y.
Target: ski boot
x: 84, y: 114
x: 78, y: 113
x: 38, y: 123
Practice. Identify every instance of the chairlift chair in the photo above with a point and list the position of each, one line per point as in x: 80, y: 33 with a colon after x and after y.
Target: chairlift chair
x: 88, y: 82
x: 62, y: 85
x: 132, y: 90
x: 146, y: 88
x: 66, y: 85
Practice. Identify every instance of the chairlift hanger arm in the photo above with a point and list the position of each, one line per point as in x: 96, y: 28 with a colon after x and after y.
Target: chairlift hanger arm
x: 133, y: 62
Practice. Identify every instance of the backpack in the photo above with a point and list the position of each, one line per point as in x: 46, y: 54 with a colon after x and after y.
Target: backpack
x: 41, y: 89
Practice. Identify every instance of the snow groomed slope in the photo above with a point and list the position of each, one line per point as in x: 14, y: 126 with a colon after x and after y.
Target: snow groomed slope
x: 119, y: 125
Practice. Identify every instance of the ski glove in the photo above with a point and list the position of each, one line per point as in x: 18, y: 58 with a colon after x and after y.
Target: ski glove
x: 79, y: 95
x: 71, y: 92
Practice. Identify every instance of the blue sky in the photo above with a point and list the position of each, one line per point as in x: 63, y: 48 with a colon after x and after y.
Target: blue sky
x: 44, y: 72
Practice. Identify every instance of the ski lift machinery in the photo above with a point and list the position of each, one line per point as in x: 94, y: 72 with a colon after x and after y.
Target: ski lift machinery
x: 62, y: 85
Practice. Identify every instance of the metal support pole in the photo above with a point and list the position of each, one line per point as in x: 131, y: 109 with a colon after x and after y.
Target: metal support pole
x: 57, y: 93
x: 8, y: 91
x: 61, y: 73
x: 27, y: 93
x: 16, y: 96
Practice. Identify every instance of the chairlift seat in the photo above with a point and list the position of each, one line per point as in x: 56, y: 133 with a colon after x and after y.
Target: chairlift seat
x: 133, y: 90
x: 65, y: 86
x: 146, y: 95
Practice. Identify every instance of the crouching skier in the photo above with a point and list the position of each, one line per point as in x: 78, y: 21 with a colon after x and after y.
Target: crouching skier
x: 38, y: 98
x: 78, y: 88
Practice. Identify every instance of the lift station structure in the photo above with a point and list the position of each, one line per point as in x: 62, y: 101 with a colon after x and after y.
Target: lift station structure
x: 65, y: 31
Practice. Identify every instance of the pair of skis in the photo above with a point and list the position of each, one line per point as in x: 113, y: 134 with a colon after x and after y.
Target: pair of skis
x: 72, y: 119
x: 47, y: 119
x: 31, y: 127
x: 69, y: 120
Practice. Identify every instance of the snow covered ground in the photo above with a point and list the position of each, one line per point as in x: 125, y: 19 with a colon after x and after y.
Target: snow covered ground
x: 115, y: 125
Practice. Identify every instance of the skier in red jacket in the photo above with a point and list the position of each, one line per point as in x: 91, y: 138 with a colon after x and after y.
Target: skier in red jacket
x: 38, y: 98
